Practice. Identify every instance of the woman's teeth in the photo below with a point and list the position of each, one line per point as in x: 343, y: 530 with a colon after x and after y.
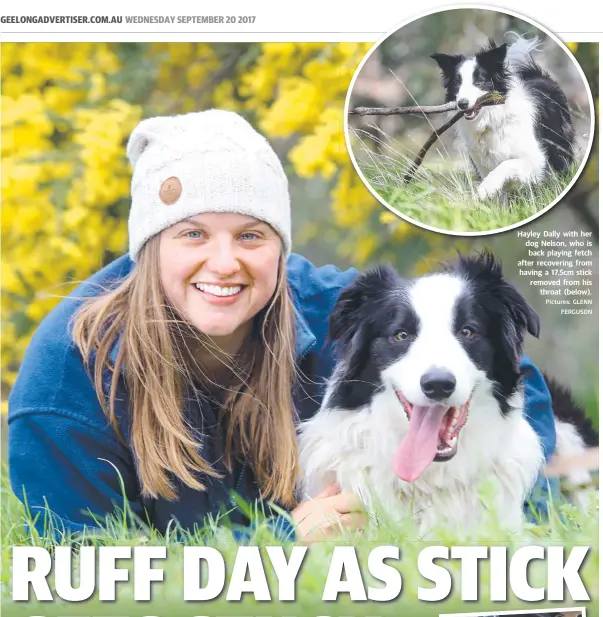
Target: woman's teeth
x: 216, y: 290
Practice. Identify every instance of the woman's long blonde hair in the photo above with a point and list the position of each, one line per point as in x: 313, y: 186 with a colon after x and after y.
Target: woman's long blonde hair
x: 158, y: 367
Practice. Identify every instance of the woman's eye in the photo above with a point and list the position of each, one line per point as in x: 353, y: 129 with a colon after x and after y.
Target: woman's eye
x: 467, y: 332
x: 249, y: 235
x: 194, y: 234
x: 401, y: 335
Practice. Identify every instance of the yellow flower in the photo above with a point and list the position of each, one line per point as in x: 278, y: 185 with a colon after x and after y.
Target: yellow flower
x: 388, y: 217
x: 366, y: 247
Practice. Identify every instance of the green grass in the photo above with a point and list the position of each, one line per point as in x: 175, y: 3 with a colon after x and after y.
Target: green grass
x: 567, y: 526
x: 443, y: 191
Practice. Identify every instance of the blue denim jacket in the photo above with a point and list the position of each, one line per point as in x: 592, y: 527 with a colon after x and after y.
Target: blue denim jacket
x: 63, y: 453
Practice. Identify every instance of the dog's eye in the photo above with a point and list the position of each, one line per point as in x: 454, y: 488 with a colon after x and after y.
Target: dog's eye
x: 467, y: 332
x: 401, y: 335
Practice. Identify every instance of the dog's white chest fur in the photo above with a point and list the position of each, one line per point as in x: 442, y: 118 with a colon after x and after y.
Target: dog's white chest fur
x: 355, y: 448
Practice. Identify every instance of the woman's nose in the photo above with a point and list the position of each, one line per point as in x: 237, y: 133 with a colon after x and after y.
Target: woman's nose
x: 223, y: 259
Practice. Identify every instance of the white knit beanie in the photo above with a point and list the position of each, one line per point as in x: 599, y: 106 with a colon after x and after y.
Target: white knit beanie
x: 209, y: 161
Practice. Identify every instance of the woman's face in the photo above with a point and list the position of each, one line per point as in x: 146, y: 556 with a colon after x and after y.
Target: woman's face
x: 219, y: 270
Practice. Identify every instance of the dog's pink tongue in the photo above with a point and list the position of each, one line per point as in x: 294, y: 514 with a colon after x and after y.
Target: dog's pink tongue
x: 420, y: 446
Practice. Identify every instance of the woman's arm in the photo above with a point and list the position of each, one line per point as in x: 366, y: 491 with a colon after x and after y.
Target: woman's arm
x: 68, y: 472
x: 538, y: 406
x: 63, y: 454
x: 538, y: 410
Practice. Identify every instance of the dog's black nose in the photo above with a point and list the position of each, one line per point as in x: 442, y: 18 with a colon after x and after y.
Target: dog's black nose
x: 438, y: 384
x: 463, y: 104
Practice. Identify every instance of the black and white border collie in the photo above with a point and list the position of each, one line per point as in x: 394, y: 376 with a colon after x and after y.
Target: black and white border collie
x: 426, y: 400
x: 531, y: 133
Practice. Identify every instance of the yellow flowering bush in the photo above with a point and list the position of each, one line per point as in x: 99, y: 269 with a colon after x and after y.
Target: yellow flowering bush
x: 63, y: 178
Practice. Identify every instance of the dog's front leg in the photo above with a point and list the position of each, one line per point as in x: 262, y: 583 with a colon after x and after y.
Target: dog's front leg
x: 522, y: 170
x: 316, y: 458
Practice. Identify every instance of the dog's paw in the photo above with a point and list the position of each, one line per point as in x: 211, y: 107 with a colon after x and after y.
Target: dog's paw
x: 488, y: 189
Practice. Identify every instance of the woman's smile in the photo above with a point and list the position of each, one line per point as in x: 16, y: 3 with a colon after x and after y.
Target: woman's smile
x: 220, y: 294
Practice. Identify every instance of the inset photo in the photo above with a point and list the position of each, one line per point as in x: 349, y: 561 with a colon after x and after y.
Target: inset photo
x: 471, y: 121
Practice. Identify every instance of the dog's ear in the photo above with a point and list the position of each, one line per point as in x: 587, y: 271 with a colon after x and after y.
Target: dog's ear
x: 519, y: 317
x: 354, y: 315
x: 493, y: 56
x: 501, y: 298
x: 447, y: 62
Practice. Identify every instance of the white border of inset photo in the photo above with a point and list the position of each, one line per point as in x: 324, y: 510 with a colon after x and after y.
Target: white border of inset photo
x: 527, y: 613
x: 488, y: 232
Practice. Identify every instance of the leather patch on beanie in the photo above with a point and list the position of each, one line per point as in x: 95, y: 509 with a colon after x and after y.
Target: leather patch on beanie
x: 170, y: 191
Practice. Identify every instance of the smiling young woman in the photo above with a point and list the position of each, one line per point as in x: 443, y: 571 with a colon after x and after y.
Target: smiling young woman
x: 197, y: 320
x: 174, y: 377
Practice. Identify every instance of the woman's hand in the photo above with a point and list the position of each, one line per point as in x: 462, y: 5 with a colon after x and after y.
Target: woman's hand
x: 323, y: 516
